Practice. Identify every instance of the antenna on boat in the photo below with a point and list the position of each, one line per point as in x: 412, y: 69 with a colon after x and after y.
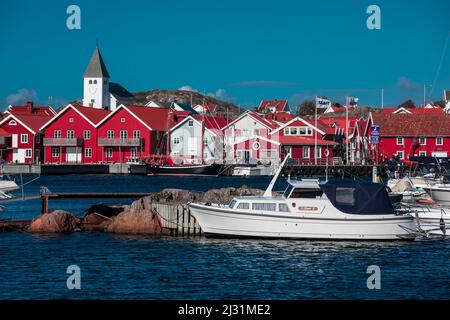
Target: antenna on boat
x: 268, y: 192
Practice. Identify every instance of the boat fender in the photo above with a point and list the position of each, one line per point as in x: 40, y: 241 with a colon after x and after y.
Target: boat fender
x: 208, y: 204
x: 442, y: 225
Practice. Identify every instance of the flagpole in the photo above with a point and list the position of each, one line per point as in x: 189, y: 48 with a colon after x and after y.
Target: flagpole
x: 382, y: 98
x: 315, y: 135
x: 346, y: 130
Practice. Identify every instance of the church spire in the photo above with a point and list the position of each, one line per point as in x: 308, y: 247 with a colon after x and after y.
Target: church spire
x: 96, y: 67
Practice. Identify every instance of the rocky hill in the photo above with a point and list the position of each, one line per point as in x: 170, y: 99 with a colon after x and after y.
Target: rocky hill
x: 184, y: 96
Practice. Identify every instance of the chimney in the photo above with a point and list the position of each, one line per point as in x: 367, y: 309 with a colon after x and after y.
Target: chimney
x: 91, y: 105
x: 28, y: 106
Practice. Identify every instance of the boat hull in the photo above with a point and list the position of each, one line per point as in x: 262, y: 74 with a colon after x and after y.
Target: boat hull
x: 224, y: 222
x: 197, y: 170
x: 8, y: 186
x: 439, y: 194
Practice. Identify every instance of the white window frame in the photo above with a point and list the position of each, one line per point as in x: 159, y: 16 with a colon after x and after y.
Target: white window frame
x: 422, y: 153
x: 88, y: 152
x: 136, y: 134
x: 57, y: 134
x: 424, y: 141
x: 133, y: 152
x: 87, y: 134
x: 28, y: 153
x: 190, y: 123
x: 123, y: 134
x: 318, y: 152
x: 442, y: 141
x: 110, y: 134
x: 55, y: 152
x: 109, y: 152
x: 402, y: 141
x: 12, y: 123
x: 24, y: 138
x: 176, y: 140
x: 402, y: 153
x: 308, y: 155
x: 70, y: 134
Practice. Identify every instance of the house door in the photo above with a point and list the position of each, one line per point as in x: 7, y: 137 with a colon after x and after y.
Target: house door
x: 246, y: 156
x: 73, y: 154
x: 19, y: 155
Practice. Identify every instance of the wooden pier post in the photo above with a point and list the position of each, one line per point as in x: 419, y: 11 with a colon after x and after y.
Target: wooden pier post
x: 44, y: 205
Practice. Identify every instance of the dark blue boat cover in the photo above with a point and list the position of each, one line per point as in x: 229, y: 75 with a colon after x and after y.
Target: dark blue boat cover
x: 357, y: 197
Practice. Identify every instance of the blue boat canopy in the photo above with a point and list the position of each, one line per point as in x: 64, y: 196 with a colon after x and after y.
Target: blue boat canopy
x: 356, y: 197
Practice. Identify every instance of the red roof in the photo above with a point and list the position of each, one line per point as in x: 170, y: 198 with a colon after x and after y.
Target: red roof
x: 412, y: 125
x: 298, y: 140
x: 277, y: 105
x: 34, y: 122
x: 280, y: 116
x: 154, y: 117
x: 269, y: 123
x: 214, y: 122
x: 414, y: 110
x: 333, y: 123
x: 93, y: 114
x: 29, y: 108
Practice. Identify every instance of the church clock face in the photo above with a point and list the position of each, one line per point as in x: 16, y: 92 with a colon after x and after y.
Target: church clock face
x: 92, y: 89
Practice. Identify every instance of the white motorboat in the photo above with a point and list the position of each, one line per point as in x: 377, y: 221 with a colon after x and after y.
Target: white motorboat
x: 308, y: 210
x: 439, y: 192
x: 8, y: 186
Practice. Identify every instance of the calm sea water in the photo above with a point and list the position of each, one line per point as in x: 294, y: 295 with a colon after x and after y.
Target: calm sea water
x: 124, y: 267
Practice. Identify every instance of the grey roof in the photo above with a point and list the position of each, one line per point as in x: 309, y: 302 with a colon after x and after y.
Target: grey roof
x: 96, y: 67
x: 118, y: 90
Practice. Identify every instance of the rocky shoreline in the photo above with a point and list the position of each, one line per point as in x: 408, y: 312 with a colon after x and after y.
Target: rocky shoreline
x: 137, y: 218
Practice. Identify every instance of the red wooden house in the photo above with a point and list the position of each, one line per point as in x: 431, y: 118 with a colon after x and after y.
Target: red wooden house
x: 71, y: 135
x: 133, y: 132
x: 24, y: 142
x: 408, y: 135
x: 299, y: 136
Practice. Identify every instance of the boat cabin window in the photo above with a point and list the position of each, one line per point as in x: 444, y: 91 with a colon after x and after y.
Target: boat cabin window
x: 346, y: 196
x: 310, y: 193
x: 264, y: 206
x: 244, y: 205
x: 232, y: 204
x: 282, y: 207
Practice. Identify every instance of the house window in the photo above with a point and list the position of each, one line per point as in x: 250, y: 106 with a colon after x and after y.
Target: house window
x: 55, y: 152
x: 70, y: 134
x: 122, y: 120
x: 176, y: 140
x: 109, y: 152
x: 123, y: 134
x: 422, y: 153
x: 24, y: 138
x: 12, y: 123
x: 57, y: 134
x: 439, y: 141
x: 422, y: 141
x: 28, y: 153
x: 90, y: 81
x: 71, y: 120
x: 401, y: 155
x: 306, y: 152
x: 95, y: 81
x: 137, y: 134
x: 400, y: 141
x: 88, y: 153
x: 190, y: 123
x: 110, y: 134
x: 293, y: 132
x: 87, y: 134
x: 133, y: 153
x: 318, y: 154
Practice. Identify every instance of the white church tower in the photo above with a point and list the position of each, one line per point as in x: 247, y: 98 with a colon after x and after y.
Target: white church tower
x: 96, y: 83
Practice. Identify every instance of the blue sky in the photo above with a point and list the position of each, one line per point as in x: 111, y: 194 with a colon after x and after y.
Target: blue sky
x: 239, y: 50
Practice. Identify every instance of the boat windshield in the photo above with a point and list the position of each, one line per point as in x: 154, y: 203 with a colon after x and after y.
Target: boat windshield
x: 288, y: 190
x: 232, y: 203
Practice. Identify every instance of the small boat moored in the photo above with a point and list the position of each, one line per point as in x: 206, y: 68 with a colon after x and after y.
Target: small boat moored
x: 338, y: 210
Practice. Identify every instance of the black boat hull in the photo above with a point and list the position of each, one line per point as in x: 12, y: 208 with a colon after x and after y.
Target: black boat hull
x: 194, y: 170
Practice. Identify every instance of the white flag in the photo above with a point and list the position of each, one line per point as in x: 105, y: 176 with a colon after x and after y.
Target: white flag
x: 352, y: 101
x: 322, y: 103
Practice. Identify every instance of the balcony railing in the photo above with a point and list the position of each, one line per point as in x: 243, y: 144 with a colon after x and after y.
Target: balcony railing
x: 63, y: 142
x: 120, y: 142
